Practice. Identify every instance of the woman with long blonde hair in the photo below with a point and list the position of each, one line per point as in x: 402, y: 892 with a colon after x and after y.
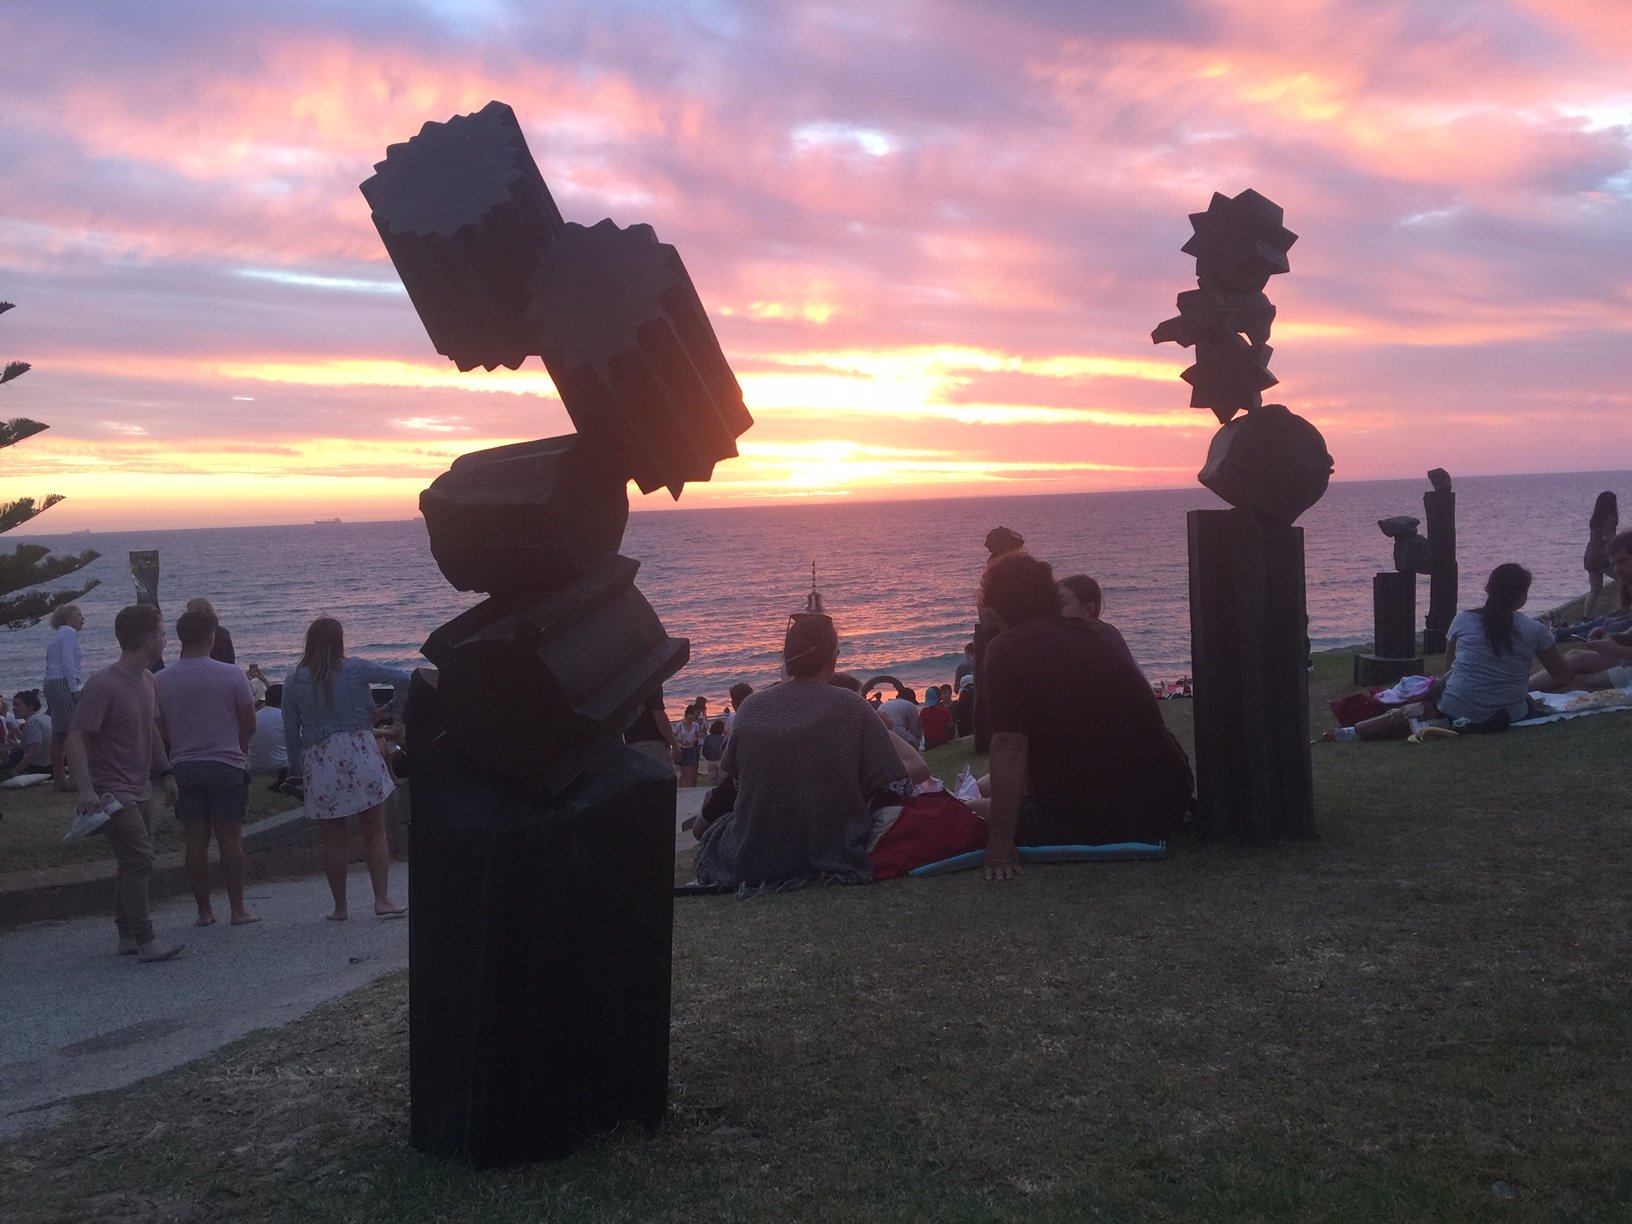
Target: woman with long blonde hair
x: 328, y: 722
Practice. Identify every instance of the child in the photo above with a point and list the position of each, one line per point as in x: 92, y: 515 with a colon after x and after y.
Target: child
x: 714, y: 749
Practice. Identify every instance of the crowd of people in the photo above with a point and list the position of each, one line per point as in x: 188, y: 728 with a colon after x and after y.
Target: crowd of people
x: 190, y: 734
x: 813, y: 775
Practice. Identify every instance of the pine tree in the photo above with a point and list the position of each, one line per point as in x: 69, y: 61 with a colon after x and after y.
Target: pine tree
x: 30, y: 564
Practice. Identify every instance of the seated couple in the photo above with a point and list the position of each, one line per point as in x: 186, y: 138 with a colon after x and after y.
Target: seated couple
x: 1607, y: 661
x: 1080, y: 754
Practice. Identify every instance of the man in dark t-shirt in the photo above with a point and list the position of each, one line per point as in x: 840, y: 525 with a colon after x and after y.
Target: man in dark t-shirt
x: 1080, y: 754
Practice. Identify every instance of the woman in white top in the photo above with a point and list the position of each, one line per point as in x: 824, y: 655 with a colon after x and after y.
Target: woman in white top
x: 64, y: 674
x: 1489, y: 653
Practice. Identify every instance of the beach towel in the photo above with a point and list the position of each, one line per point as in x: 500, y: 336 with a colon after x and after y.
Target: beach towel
x: 1112, y: 852
x: 1579, y: 704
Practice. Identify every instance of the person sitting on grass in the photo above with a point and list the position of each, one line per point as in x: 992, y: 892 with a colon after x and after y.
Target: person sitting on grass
x: 810, y: 761
x: 1080, y: 754
x: 935, y: 719
x: 33, y: 754
x: 1080, y: 596
x: 1607, y: 663
x: 917, y: 769
x: 1489, y: 652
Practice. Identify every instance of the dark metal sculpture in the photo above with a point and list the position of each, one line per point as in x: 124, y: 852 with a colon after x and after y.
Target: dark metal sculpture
x: 1394, y: 596
x: 543, y: 851
x: 1248, y: 616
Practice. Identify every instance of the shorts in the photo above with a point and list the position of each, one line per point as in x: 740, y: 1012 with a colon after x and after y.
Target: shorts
x: 1620, y: 677
x: 688, y: 756
x: 60, y: 701
x: 210, y: 790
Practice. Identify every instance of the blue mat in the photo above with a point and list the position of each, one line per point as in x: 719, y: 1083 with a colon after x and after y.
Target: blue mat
x: 1113, y: 852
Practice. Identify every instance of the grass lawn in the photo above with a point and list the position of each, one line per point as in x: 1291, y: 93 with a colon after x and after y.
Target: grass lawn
x: 36, y: 817
x: 1421, y: 1015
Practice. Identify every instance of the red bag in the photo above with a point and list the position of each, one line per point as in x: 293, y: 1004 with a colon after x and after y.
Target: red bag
x: 1357, y: 707
x: 930, y: 828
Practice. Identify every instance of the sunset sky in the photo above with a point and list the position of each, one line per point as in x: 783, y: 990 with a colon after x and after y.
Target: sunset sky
x: 933, y: 236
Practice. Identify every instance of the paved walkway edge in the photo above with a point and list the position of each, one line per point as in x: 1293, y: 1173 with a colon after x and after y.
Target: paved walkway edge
x: 284, y: 845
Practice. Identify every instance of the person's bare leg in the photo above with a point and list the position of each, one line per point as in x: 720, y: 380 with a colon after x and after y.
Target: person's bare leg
x: 198, y: 868
x: 334, y: 864
x: 1581, y: 664
x: 377, y: 853
x: 59, y: 764
x: 229, y: 843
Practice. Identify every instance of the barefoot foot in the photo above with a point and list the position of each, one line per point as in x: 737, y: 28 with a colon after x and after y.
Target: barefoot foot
x: 205, y: 920
x: 339, y: 915
x: 388, y: 908
x: 244, y: 918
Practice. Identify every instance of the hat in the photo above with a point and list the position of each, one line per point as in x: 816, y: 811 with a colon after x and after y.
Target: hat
x: 932, y: 696
x: 968, y: 682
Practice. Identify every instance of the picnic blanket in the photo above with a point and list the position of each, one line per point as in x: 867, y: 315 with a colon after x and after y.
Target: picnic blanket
x: 1579, y: 704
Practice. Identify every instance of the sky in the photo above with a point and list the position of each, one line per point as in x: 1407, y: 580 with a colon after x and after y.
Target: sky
x: 933, y: 236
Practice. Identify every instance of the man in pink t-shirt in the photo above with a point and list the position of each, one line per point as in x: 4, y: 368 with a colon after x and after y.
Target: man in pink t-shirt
x: 207, y: 714
x: 114, y: 748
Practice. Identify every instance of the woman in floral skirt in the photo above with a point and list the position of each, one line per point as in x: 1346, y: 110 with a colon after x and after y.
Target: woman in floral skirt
x: 328, y: 721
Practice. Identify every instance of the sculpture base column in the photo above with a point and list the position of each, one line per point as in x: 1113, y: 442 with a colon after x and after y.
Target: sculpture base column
x: 539, y: 951
x: 1249, y: 652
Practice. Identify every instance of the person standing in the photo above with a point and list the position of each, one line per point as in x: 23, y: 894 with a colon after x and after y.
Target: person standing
x: 328, y: 721
x: 64, y: 673
x: 1601, y: 529
x: 223, y: 651
x: 207, y: 715
x: 689, y: 736
x: 114, y: 749
x: 651, y: 734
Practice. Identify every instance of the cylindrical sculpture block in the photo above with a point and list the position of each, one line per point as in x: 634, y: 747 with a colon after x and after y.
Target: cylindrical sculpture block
x: 539, y: 950
x: 1394, y: 612
x: 534, y: 516
x: 540, y: 688
x: 468, y: 222
x: 1249, y: 651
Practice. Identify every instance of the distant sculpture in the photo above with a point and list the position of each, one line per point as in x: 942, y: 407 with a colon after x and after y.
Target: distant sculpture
x: 1394, y: 596
x: 144, y: 575
x: 1248, y: 619
x: 541, y: 925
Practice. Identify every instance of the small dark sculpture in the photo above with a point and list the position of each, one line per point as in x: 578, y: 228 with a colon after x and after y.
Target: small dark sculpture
x: 1411, y: 552
x: 1439, y: 507
x: 144, y: 574
x: 1248, y: 619
x: 540, y: 934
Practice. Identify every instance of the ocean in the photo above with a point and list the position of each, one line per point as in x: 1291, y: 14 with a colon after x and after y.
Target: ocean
x: 898, y: 577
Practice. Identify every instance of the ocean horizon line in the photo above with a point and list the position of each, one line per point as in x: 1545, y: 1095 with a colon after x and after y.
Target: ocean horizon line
x: 800, y: 503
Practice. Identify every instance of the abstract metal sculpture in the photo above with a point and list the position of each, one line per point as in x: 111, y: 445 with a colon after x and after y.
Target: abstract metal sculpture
x: 1394, y: 595
x: 1248, y: 616
x: 543, y: 852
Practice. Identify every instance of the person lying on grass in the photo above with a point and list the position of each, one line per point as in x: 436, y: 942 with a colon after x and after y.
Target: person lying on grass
x: 1607, y: 663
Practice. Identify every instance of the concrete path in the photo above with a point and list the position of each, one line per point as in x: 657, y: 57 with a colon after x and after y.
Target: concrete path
x: 76, y: 1018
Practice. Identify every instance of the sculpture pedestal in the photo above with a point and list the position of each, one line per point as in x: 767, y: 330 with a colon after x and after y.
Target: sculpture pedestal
x: 1249, y: 652
x: 539, y: 951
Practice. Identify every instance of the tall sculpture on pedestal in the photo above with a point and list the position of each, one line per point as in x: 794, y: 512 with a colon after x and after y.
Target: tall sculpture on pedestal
x: 543, y: 849
x: 1248, y: 621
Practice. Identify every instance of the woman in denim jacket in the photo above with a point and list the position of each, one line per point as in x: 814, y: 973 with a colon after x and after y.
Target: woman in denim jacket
x: 328, y: 722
